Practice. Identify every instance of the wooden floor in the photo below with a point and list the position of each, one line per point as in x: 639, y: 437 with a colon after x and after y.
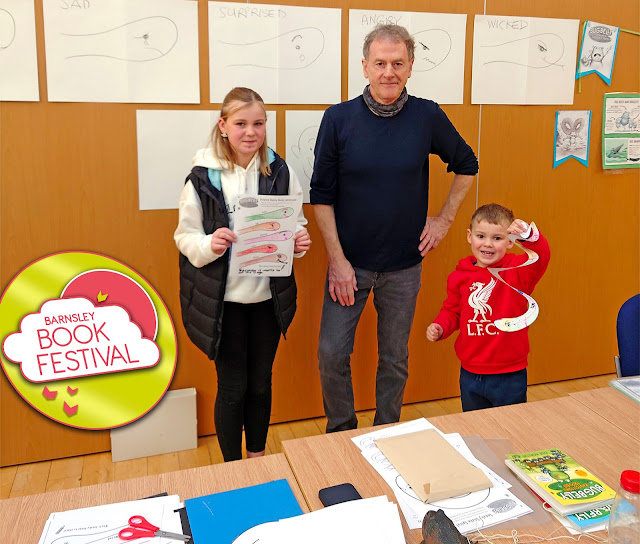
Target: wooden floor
x: 29, y: 479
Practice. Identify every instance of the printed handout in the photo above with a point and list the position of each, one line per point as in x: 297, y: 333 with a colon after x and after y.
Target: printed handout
x: 265, y: 226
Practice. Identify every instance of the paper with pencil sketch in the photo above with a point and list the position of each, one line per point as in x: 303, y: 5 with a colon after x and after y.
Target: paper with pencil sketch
x: 468, y: 512
x: 265, y: 226
x: 431, y: 466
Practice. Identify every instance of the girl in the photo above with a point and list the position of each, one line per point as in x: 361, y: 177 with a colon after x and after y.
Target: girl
x: 235, y: 320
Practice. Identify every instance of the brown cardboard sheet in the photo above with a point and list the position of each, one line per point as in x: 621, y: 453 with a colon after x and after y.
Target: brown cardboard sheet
x: 433, y: 468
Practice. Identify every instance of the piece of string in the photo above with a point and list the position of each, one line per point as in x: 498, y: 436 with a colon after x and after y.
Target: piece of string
x: 584, y: 33
x: 516, y: 538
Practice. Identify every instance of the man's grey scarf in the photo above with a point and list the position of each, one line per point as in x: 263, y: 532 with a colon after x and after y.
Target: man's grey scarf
x: 384, y: 110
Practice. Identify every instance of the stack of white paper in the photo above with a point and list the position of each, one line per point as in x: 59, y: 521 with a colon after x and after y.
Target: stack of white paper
x: 374, y: 521
x: 99, y: 524
x: 468, y: 512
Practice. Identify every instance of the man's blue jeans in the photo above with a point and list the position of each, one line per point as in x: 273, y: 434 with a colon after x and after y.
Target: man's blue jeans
x: 394, y: 298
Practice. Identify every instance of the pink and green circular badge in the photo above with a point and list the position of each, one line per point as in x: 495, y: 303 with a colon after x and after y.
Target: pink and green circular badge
x: 86, y: 340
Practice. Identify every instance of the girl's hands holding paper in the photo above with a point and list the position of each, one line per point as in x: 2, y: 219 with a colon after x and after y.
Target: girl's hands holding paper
x: 221, y: 240
x: 302, y: 241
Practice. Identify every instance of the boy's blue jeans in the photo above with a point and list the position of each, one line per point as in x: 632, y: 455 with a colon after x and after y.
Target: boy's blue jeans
x: 394, y: 298
x: 478, y: 391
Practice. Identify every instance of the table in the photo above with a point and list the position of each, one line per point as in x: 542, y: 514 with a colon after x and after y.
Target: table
x: 564, y: 423
x: 22, y: 519
x: 613, y: 406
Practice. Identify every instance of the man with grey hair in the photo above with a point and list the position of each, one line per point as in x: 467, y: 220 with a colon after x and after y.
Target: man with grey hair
x: 370, y: 191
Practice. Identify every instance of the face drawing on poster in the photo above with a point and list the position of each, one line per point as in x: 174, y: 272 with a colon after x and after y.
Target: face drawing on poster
x: 295, y: 49
x: 7, y: 29
x: 304, y: 151
x: 523, y: 60
x: 540, y: 50
x: 438, y: 60
x: 573, y: 129
x: 572, y: 135
x: 145, y: 39
x: 598, y: 50
x: 432, y: 48
x: 595, y: 57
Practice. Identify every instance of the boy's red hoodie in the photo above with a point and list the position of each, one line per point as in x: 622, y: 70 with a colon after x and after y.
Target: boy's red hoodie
x: 473, y: 303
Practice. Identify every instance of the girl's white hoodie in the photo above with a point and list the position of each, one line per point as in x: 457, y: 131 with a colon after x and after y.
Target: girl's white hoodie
x: 196, y: 245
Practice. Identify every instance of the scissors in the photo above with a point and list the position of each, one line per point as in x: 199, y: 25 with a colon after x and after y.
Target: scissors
x: 140, y: 527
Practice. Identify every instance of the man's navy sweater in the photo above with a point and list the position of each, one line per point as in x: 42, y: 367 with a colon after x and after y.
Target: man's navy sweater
x: 374, y: 171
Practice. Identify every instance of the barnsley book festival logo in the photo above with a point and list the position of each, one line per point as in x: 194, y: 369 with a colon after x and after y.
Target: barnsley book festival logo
x: 86, y: 340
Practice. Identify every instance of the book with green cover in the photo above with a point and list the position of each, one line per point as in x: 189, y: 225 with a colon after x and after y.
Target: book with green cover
x: 560, y: 480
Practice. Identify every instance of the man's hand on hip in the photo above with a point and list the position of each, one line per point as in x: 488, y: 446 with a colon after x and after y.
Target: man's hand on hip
x: 342, y: 282
x: 435, y: 229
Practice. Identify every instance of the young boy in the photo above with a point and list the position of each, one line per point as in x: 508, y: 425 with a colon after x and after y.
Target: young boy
x: 494, y: 363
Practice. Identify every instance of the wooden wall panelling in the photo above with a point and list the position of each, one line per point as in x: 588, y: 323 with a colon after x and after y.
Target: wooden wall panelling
x: 590, y: 217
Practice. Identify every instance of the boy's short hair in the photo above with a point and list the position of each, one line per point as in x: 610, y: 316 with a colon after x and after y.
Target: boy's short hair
x: 492, y: 213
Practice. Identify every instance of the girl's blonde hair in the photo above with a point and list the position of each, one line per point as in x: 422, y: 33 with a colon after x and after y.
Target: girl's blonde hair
x: 236, y: 99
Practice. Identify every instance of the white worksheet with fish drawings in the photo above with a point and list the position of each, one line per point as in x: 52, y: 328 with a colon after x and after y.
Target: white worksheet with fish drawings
x: 119, y: 51
x: 265, y: 226
x: 523, y: 60
x: 288, y: 54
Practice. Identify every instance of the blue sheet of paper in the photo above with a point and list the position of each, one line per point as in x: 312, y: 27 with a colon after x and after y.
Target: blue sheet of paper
x: 222, y: 517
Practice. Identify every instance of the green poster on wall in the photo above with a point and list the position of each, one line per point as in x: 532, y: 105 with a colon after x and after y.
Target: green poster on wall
x: 621, y: 130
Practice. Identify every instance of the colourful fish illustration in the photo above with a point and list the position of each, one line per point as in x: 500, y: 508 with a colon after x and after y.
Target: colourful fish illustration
x: 277, y: 258
x: 270, y: 225
x: 275, y: 237
x: 267, y: 248
x: 282, y: 213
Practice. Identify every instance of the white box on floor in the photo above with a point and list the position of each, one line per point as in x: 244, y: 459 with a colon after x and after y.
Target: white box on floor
x: 170, y: 426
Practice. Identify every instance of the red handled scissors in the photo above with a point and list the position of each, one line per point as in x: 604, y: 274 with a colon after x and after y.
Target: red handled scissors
x: 140, y: 528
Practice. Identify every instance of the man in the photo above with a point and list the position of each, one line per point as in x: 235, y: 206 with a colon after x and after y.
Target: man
x: 370, y: 190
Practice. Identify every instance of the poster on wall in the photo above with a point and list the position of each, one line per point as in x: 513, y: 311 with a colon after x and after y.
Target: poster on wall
x: 598, y: 50
x: 118, y: 51
x: 573, y: 129
x: 523, y: 60
x: 620, y: 131
x: 438, y: 68
x: 287, y: 54
x: 301, y: 134
x: 18, y: 56
x: 167, y: 142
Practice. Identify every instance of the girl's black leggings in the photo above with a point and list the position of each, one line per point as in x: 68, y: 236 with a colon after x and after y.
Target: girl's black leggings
x: 250, y: 336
